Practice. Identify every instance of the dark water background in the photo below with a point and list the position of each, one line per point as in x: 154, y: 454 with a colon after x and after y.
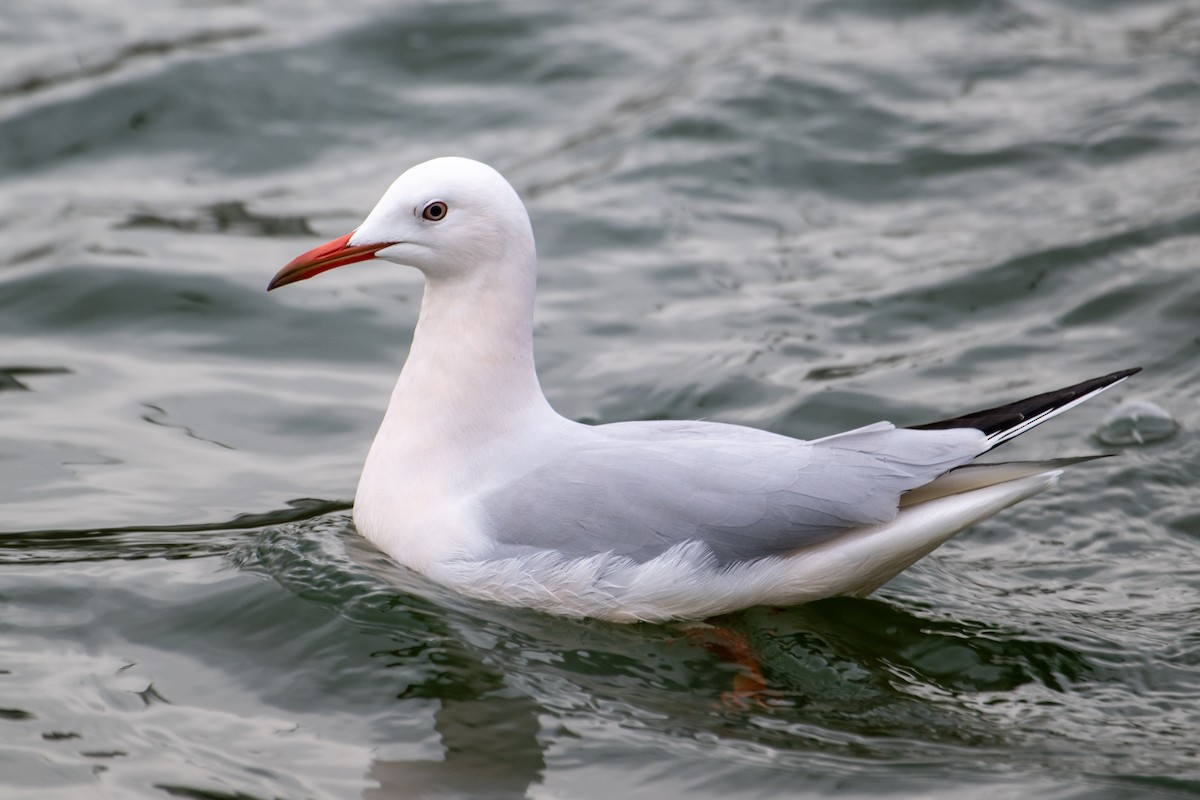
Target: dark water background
x: 801, y: 216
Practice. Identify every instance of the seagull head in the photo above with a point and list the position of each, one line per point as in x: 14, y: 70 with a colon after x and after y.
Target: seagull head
x: 450, y: 218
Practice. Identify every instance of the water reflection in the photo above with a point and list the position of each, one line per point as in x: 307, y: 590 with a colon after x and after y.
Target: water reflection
x: 841, y: 672
x: 491, y: 750
x: 11, y: 377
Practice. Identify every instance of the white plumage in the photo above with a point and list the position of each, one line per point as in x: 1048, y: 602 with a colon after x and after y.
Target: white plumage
x: 475, y: 481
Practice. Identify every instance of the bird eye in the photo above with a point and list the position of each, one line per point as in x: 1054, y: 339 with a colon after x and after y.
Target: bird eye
x: 435, y: 211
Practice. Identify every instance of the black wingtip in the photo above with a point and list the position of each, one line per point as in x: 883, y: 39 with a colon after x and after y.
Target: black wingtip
x: 1004, y: 422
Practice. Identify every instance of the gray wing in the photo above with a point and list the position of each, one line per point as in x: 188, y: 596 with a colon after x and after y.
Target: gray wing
x: 636, y: 489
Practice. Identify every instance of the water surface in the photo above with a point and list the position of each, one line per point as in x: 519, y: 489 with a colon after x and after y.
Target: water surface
x: 798, y: 216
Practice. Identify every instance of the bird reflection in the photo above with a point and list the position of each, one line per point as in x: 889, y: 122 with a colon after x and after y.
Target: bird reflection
x: 491, y: 750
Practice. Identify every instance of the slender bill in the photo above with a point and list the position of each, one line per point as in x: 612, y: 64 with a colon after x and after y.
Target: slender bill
x: 336, y: 253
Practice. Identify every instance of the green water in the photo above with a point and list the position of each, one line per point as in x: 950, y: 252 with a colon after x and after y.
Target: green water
x: 799, y: 216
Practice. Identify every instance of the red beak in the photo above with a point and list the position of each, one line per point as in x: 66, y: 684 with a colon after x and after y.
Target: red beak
x: 337, y: 253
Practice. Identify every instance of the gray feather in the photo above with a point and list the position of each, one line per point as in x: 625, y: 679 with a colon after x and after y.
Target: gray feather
x: 744, y: 493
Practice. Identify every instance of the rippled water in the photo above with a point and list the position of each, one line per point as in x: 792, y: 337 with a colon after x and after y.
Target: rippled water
x: 799, y: 216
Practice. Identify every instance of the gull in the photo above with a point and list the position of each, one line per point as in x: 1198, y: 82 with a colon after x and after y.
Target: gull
x: 476, y: 482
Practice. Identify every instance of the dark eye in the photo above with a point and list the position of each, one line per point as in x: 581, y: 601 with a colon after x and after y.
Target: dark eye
x: 434, y: 211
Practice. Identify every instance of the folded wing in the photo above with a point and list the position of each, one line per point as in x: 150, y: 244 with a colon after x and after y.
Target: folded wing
x: 637, y: 489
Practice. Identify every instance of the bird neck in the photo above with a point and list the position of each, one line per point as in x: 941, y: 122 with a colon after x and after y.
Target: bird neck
x: 470, y: 371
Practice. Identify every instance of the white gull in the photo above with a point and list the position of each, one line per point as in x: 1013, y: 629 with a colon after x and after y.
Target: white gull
x: 475, y: 481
